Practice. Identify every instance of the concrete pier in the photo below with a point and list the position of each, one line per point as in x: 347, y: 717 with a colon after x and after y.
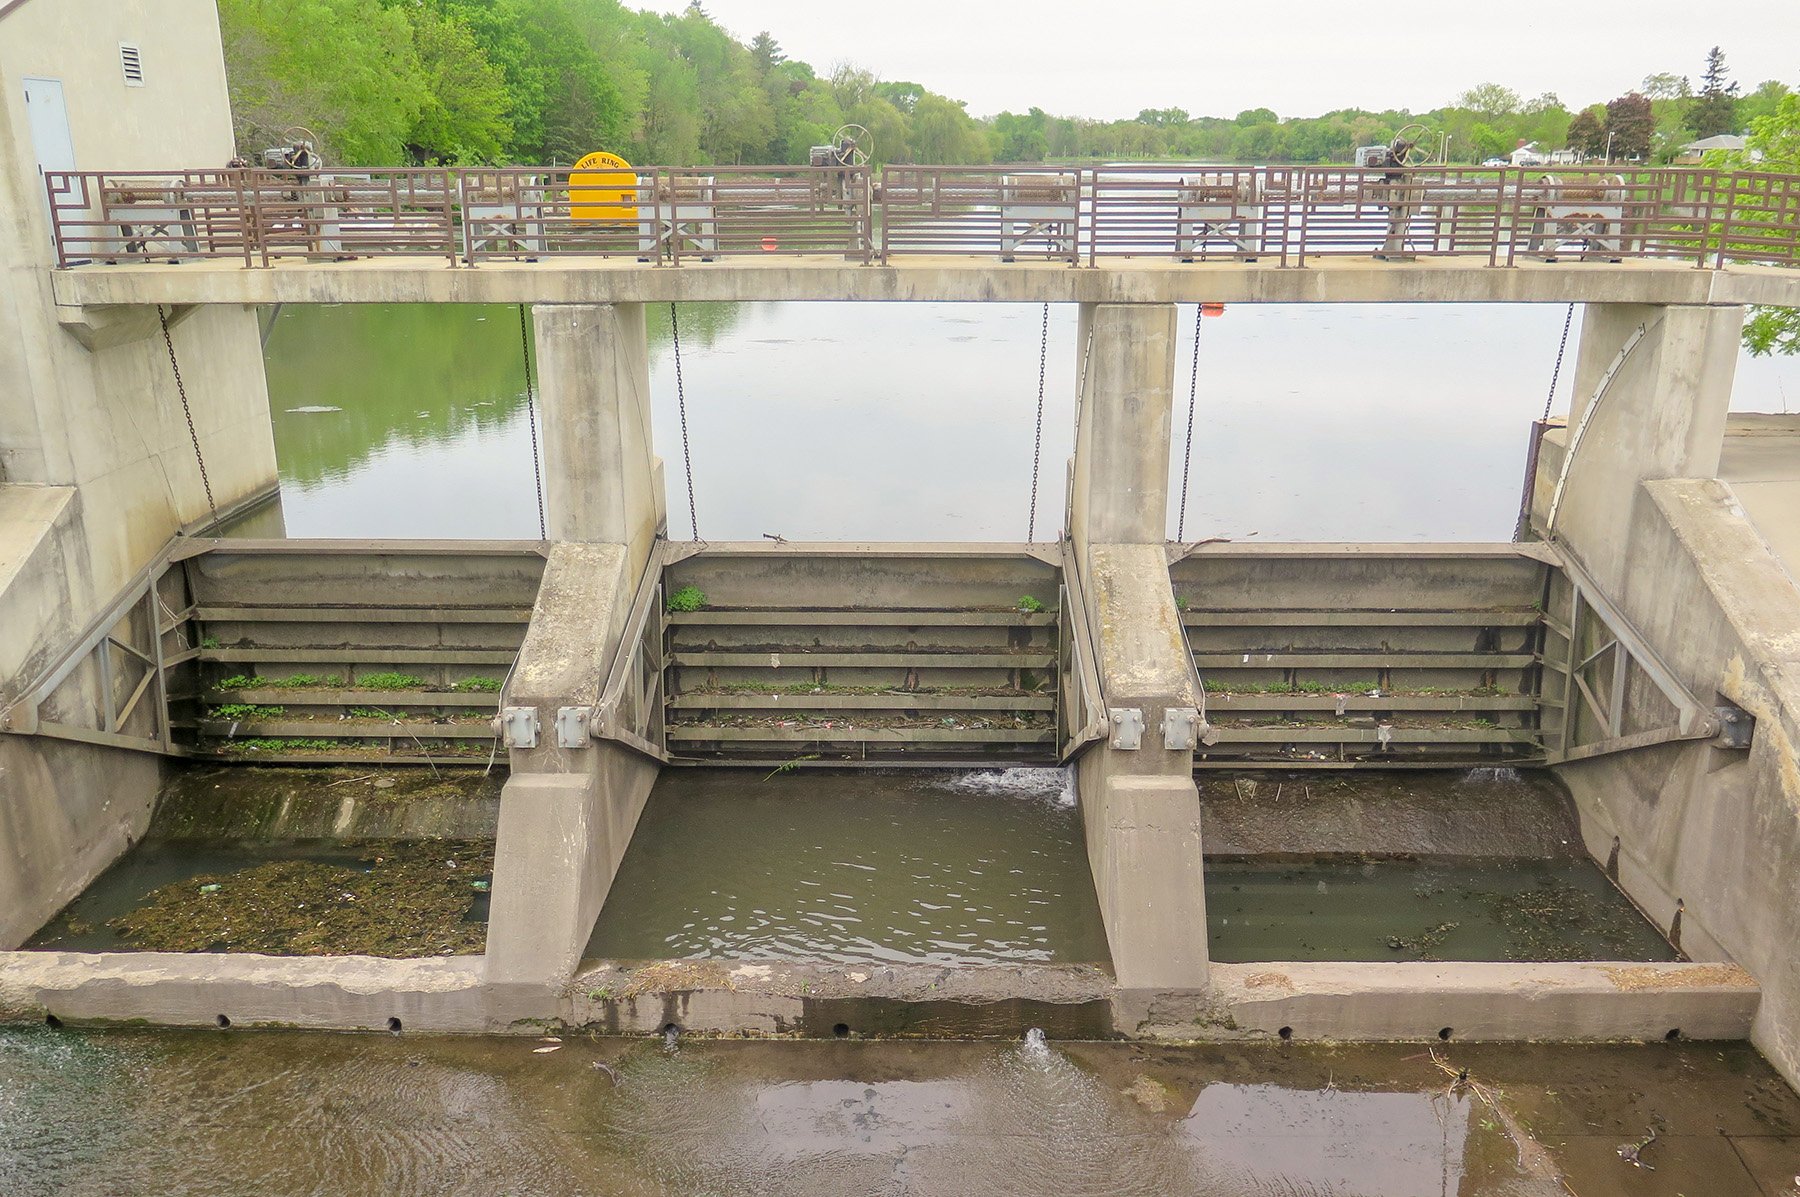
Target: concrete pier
x: 1139, y: 806
x: 568, y: 811
x: 602, y: 478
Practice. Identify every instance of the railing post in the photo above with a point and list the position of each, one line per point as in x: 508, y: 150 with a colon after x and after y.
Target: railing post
x: 1303, y: 178
x: 1499, y: 211
x: 666, y: 202
x: 1731, y: 185
x: 866, y: 211
x: 1515, y: 217
x: 1091, y: 194
x: 887, y: 223
x: 444, y: 180
x: 56, y: 233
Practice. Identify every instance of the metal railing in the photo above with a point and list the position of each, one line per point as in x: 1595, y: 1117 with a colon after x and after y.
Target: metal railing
x: 1068, y: 214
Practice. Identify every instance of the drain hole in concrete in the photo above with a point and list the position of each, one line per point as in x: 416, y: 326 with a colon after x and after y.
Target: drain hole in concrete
x: 1286, y: 1032
x: 1673, y: 1035
x: 53, y: 1022
x: 394, y: 1026
x: 223, y: 1022
x: 1446, y: 1032
x: 841, y: 1030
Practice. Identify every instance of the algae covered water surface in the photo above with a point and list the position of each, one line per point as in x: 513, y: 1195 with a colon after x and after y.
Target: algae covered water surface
x: 307, y: 898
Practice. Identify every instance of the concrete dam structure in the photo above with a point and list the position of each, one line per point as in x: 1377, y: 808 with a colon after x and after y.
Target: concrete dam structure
x: 1634, y: 642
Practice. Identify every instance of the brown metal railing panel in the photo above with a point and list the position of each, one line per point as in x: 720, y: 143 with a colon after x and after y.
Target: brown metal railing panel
x: 1186, y: 213
x: 1029, y: 212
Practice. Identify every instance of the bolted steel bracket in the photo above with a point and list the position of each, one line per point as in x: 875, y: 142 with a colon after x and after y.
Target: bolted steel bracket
x: 572, y: 726
x: 1181, y: 728
x: 1737, y: 727
x: 1128, y: 727
x: 518, y: 726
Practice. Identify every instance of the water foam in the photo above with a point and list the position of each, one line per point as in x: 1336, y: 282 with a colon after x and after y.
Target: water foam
x: 1018, y: 782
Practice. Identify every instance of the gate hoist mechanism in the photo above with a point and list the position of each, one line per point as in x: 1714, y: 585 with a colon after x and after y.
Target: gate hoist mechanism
x: 1408, y: 148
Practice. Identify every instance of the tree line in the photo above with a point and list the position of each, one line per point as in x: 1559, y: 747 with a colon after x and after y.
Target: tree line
x: 546, y: 81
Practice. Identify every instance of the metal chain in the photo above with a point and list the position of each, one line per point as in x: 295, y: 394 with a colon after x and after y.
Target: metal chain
x: 1037, y: 441
x: 1187, y: 454
x: 537, y: 469
x: 162, y: 318
x: 1556, y: 373
x: 687, y: 460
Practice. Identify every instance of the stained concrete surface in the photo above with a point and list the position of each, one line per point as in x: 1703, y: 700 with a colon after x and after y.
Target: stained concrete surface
x: 214, y: 1112
x: 1761, y: 461
x: 1478, y: 812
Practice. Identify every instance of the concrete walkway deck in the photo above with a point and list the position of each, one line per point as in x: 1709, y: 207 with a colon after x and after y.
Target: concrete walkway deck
x: 926, y: 278
x: 1761, y: 462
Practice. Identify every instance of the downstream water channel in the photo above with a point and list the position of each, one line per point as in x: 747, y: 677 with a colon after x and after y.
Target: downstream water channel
x: 279, y: 1113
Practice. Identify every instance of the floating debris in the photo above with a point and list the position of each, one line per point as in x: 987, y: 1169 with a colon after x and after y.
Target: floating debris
x: 1633, y: 1153
x: 403, y: 902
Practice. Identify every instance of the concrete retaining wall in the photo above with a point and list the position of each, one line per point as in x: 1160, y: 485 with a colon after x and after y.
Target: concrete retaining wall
x: 1712, y: 832
x: 1347, y: 1002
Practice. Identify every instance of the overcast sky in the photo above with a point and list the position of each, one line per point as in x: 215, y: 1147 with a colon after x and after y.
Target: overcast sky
x: 1300, y: 57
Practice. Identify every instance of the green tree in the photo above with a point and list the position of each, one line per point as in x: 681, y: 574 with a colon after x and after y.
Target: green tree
x: 1761, y: 102
x: 1773, y: 145
x: 1490, y: 100
x: 566, y: 102
x: 464, y: 115
x: 345, y: 69
x: 1714, y: 109
x: 943, y: 132
x: 766, y: 52
x: 1666, y: 85
x: 1022, y: 138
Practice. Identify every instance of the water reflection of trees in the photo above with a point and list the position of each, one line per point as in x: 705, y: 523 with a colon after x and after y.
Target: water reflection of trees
x: 410, y: 376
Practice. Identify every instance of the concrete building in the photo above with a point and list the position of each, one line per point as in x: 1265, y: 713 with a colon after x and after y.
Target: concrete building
x: 97, y: 469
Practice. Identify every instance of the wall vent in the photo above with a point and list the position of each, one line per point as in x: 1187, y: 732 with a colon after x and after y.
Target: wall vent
x: 131, y: 58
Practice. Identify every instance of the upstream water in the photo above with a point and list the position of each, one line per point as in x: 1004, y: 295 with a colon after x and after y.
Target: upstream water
x: 821, y: 421
x: 277, y: 1113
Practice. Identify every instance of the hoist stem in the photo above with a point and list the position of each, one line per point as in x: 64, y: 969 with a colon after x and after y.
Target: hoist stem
x: 1187, y: 453
x: 687, y: 460
x: 162, y: 318
x: 1037, y: 442
x: 537, y: 469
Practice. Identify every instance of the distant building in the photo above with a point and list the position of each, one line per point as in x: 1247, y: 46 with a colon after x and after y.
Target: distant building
x: 1528, y: 154
x: 1694, y: 151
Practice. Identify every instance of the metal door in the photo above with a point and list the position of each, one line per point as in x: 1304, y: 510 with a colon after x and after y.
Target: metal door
x: 49, y: 121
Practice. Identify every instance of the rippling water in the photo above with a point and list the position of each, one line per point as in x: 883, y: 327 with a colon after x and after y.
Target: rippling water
x: 897, y: 421
x: 284, y: 1114
x: 917, y: 866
